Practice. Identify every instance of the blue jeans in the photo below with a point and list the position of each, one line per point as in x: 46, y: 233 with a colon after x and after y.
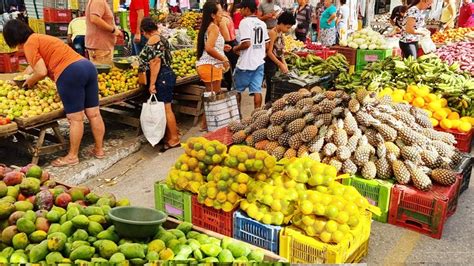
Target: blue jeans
x: 137, y: 47
x: 251, y: 79
x: 79, y: 44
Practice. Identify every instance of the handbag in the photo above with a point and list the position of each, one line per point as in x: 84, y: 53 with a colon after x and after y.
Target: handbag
x: 153, y: 120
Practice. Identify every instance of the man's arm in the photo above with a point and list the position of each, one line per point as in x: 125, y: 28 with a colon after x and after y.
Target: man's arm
x: 140, y: 16
x: 99, y: 22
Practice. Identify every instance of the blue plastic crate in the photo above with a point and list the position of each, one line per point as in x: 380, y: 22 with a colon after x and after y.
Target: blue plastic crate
x: 256, y: 233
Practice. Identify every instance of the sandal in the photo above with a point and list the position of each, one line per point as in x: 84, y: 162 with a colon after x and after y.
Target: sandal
x: 169, y: 147
x: 92, y: 152
x: 61, y: 162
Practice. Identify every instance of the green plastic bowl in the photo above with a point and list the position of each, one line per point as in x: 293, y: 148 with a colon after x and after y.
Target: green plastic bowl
x: 136, y: 222
x: 122, y: 65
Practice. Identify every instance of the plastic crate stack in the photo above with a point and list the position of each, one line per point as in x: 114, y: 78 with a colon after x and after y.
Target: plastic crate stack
x: 463, y: 140
x: 56, y: 17
x: 9, y: 62
x: 365, y: 57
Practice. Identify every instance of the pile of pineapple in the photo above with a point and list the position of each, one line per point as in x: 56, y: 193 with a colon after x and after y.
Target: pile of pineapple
x: 354, y: 133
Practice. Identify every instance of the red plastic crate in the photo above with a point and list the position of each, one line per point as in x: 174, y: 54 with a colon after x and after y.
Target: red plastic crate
x: 463, y: 139
x: 9, y: 63
x: 57, y: 15
x: 328, y: 53
x: 224, y: 135
x: 349, y: 53
x: 424, y: 212
x: 397, y: 52
x: 209, y: 218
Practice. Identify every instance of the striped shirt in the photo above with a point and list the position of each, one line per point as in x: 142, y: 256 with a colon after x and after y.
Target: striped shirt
x: 303, y: 19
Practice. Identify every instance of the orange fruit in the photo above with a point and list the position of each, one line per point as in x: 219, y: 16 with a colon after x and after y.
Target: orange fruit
x: 444, y: 102
x: 453, y: 116
x: 440, y: 114
x: 408, y: 97
x: 446, y: 124
x: 455, y: 122
x: 434, y: 122
x: 418, y: 102
x: 412, y: 88
x: 430, y: 97
x: 435, y: 105
x: 464, y: 127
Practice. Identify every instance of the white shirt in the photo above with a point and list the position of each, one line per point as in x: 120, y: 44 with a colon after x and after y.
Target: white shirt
x: 344, y: 11
x: 254, y: 30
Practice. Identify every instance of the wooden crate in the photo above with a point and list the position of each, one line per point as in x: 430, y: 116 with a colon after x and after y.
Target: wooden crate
x: 189, y: 100
x: 8, y: 129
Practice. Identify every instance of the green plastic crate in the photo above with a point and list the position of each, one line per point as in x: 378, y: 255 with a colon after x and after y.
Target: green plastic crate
x: 376, y: 191
x: 175, y: 203
x: 365, y: 57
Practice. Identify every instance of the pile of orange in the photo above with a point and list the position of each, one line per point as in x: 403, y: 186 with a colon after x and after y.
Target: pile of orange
x: 451, y: 35
x: 435, y: 106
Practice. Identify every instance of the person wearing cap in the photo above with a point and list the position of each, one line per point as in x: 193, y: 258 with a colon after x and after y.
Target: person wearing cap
x: 253, y: 44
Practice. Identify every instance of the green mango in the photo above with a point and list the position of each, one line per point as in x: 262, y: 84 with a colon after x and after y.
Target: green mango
x: 185, y: 251
x: 192, y: 234
x: 156, y: 245
x: 152, y: 256
x: 226, y: 242
x: 185, y: 227
x: 82, y: 253
x: 210, y: 260
x: 203, y: 239
x: 215, y: 241
x: 63, y: 219
x: 193, y: 243
x: 132, y: 250
x: 53, y: 216
x: 92, y: 198
x: 117, y: 258
x: 241, y: 259
x: 67, y: 249
x: 29, y: 247
x: 30, y: 215
x: 106, y: 209
x: 93, y: 210
x: 97, y: 218
x: 20, y: 241
x: 137, y: 261
x: 72, y: 212
x: 25, y: 225
x: 67, y: 228
x: 56, y: 241
x: 239, y: 249
x: 94, y: 228
x: 198, y: 254
x: 80, y: 234
x: 80, y: 221
x: 211, y: 250
x: 23, y: 205
x: 39, y: 252
x: 7, y: 252
x: 107, y: 248
x: 3, y: 260
x: 38, y: 236
x: 109, y: 235
x: 54, y: 228
x: 122, y: 202
x: 54, y: 258
x: 19, y: 258
x: 225, y: 256
x: 177, y: 233
x: 78, y: 206
x: 79, y: 243
x: 13, y: 191
x: 82, y: 263
x: 166, y: 254
x: 167, y: 236
x: 256, y: 255
x: 91, y: 239
x: 59, y: 210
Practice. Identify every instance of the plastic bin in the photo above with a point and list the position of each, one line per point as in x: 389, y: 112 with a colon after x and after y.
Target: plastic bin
x: 365, y: 57
x: 423, y: 212
x: 282, y: 85
x: 53, y: 15
x: 175, y: 203
x: 376, y: 191
x: 256, y: 233
x: 57, y: 29
x: 465, y: 169
x: 223, y: 135
x: 349, y: 53
x: 212, y: 219
x: 9, y: 63
x: 463, y: 139
x: 297, y: 247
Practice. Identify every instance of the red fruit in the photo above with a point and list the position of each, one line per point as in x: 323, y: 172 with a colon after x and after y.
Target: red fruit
x: 3, y: 169
x: 85, y: 190
x: 8, y: 120
x: 13, y: 178
x: 25, y: 168
x: 42, y: 224
x: 44, y: 200
x: 31, y: 199
x: 21, y: 197
x: 81, y: 202
x: 63, y: 200
x: 44, y: 176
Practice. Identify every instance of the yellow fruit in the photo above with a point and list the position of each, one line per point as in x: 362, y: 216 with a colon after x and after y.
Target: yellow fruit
x: 446, y: 124
x: 408, y: 97
x: 447, y: 110
x: 444, y: 102
x: 430, y: 97
x: 423, y: 91
x: 453, y: 116
x: 396, y: 97
x: 434, y: 122
x: 435, y: 105
x: 412, y: 88
x: 455, y: 123
x: 468, y: 119
x: 440, y: 114
x: 306, y: 207
x: 418, y: 102
x: 399, y: 91
x: 464, y: 127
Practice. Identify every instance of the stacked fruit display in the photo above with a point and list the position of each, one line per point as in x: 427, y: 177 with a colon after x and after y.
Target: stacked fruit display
x: 447, y: 80
x: 47, y: 223
x: 291, y: 44
x: 354, y: 133
x: 191, y: 20
x: 365, y: 39
x: 184, y: 61
x: 117, y: 81
x: 461, y: 53
x: 16, y: 102
x: 434, y: 105
x: 4, y: 120
x: 314, y: 65
x: 451, y: 35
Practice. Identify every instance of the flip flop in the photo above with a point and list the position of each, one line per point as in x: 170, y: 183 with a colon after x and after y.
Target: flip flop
x: 91, y: 152
x: 169, y: 147
x: 61, y: 162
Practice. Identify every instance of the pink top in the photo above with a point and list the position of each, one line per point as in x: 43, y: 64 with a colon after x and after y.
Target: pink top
x: 466, y: 16
x: 230, y: 27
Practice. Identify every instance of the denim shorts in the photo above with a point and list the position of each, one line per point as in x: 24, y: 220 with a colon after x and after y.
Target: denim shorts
x: 251, y: 79
x: 164, y: 84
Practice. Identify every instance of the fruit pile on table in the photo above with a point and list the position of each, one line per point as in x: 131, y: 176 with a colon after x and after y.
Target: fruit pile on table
x: 117, y: 81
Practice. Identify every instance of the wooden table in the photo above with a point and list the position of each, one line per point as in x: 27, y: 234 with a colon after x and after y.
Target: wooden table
x: 8, y: 129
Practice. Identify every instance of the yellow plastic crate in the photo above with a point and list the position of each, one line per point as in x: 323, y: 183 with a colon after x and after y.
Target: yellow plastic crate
x: 37, y: 25
x: 4, y: 48
x: 74, y: 4
x: 297, y: 247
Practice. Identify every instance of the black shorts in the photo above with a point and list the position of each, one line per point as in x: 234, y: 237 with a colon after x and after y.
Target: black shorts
x: 164, y: 84
x: 78, y: 86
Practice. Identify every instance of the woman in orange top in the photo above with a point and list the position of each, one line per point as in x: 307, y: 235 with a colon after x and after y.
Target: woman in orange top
x: 75, y: 77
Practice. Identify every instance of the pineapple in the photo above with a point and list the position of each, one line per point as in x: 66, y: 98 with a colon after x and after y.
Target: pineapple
x: 349, y: 167
x: 309, y: 133
x: 419, y: 178
x: 444, y: 176
x: 290, y: 153
x: 295, y: 141
x: 274, y: 132
x: 278, y: 152
x: 369, y: 170
x: 400, y: 171
x: 296, y: 126
x: 277, y: 118
x: 329, y: 149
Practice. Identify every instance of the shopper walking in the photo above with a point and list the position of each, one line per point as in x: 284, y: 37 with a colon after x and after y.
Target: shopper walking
x: 227, y: 30
x: 210, y: 50
x: 76, y: 81
x: 155, y: 60
x: 466, y: 15
x: 327, y: 24
x: 448, y: 14
x: 101, y: 32
x: 267, y: 13
x: 303, y: 20
x: 412, y: 26
x: 139, y: 9
x: 76, y: 33
x: 396, y: 18
x: 252, y: 48
x: 343, y: 20
x: 275, y: 59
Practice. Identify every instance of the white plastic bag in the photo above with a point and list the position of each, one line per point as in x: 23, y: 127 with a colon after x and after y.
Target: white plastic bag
x: 427, y: 44
x: 153, y: 120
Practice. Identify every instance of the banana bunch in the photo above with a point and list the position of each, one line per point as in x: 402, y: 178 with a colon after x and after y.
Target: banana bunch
x: 349, y: 83
x: 315, y: 65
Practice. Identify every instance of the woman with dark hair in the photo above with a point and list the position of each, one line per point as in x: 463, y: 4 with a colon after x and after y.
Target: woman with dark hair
x: 275, y: 54
x: 210, y: 49
x: 396, y: 18
x: 76, y: 80
x: 155, y: 60
x: 412, y: 24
